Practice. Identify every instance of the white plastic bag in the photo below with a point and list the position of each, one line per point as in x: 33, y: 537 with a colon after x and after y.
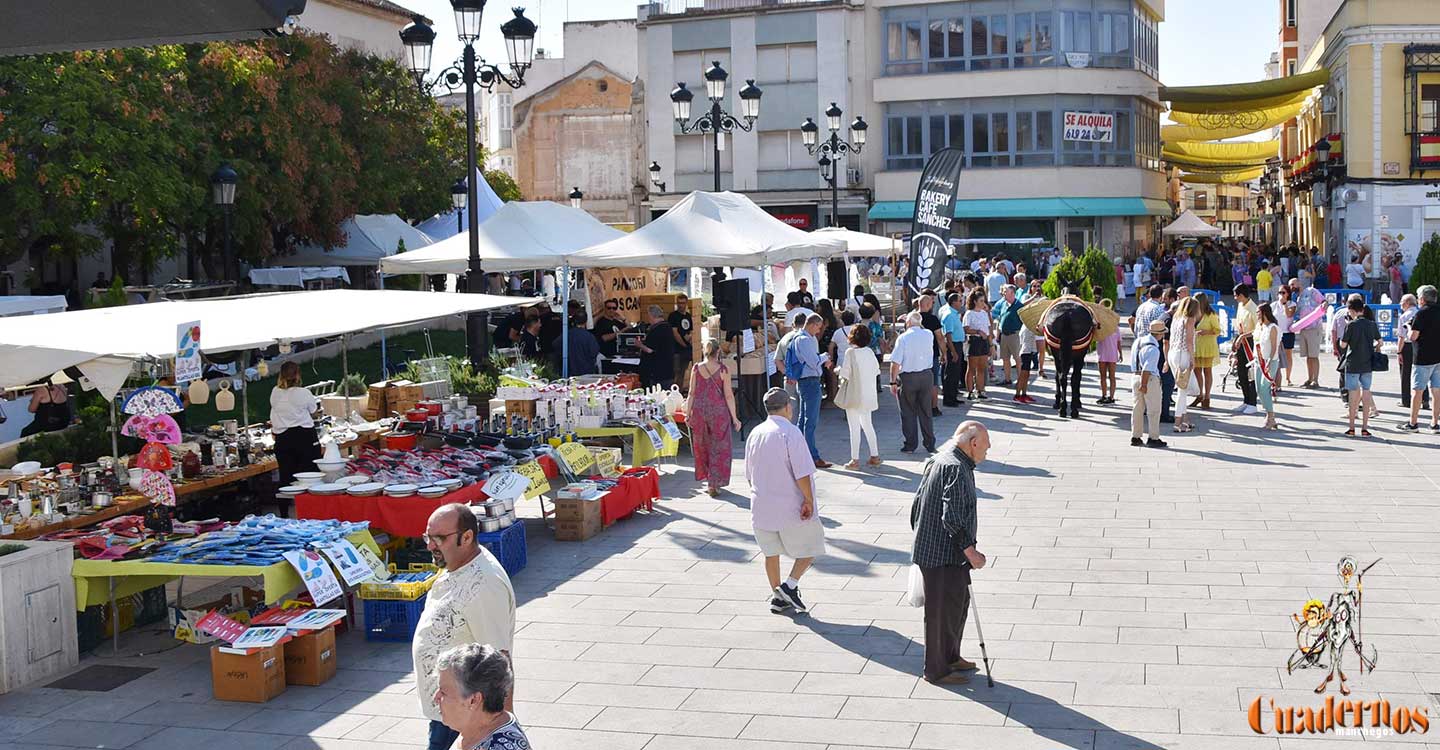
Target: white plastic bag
x: 915, y: 591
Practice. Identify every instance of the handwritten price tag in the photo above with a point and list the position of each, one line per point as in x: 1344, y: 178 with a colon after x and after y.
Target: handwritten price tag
x: 605, y: 464
x: 577, y: 457
x: 506, y: 484
x: 536, y: 474
x: 671, y: 429
x: 654, y: 435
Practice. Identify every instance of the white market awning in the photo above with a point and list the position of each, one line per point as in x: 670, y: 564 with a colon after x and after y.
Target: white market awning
x: 28, y: 305
x: 1190, y: 225
x: 368, y: 238
x: 290, y: 276
x: 107, y: 341
x: 710, y: 229
x: 457, y: 220
x: 521, y: 236
x: 860, y: 243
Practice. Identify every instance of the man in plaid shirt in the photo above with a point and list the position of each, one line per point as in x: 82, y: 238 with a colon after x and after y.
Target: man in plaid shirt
x: 943, y: 518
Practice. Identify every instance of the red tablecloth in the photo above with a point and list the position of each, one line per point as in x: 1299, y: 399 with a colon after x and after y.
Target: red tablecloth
x: 400, y: 516
x: 631, y: 494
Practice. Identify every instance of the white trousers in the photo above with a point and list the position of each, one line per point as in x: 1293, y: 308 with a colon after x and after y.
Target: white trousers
x: 1180, y: 366
x: 859, y: 420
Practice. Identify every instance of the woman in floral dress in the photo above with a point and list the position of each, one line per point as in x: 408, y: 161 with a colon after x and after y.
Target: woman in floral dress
x: 710, y: 413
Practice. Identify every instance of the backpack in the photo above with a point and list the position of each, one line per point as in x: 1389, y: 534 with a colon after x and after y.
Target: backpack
x: 793, y: 366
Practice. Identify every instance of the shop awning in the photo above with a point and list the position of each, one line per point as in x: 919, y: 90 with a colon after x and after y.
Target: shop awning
x: 1238, y: 151
x: 1030, y: 208
x: 1212, y: 178
x: 1239, y: 92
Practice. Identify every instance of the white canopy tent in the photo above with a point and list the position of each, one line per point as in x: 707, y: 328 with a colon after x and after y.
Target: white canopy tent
x: 710, y: 229
x: 368, y: 238
x: 296, y: 276
x: 26, y: 305
x: 1190, y: 225
x: 453, y: 222
x: 522, y: 235
x: 104, y: 343
x: 860, y: 243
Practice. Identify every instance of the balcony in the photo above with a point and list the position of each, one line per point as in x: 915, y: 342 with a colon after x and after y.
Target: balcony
x: 661, y: 9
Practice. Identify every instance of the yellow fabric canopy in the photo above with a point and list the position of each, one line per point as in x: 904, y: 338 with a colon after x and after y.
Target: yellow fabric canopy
x: 1184, y: 159
x: 1234, y: 92
x: 1254, y: 119
x: 1247, y: 150
x: 1211, y: 178
x: 1241, y: 105
x: 1178, y: 133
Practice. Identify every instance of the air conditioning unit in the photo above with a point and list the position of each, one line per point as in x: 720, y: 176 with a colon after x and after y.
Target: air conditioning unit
x: 854, y: 175
x: 1327, y: 105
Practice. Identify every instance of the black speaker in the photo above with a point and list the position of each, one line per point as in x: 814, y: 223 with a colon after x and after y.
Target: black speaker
x: 836, y: 279
x: 732, y: 300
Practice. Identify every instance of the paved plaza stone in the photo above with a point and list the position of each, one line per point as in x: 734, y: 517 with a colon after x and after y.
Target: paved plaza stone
x: 1135, y: 598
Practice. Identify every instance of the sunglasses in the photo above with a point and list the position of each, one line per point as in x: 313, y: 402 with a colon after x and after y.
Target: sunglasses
x: 611, y: 307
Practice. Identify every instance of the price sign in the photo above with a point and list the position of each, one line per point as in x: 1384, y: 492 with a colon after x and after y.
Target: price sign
x: 506, y: 484
x: 605, y: 464
x: 319, y: 580
x: 377, y: 567
x: 536, y: 474
x: 353, y: 568
x: 577, y: 457
x: 671, y: 428
x: 654, y: 433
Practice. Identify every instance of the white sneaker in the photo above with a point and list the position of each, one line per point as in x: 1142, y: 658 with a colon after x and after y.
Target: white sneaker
x: 1249, y: 410
x: 1240, y: 409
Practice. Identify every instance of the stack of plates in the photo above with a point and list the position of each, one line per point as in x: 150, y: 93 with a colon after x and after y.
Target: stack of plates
x: 449, y: 484
x: 309, y: 478
x: 401, y: 490
x: 367, y: 489
x: 329, y: 488
x: 354, y: 479
x: 432, y: 492
x: 291, y: 490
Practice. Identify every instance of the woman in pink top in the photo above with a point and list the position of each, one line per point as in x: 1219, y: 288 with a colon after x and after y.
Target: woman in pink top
x: 1108, y: 351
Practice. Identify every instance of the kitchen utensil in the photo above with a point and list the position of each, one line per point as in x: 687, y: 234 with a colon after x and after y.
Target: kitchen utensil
x: 432, y: 408
x: 431, y: 491
x: 488, y: 525
x: 493, y: 509
x: 328, y: 488
x: 368, y: 489
x: 293, y: 489
x: 506, y: 519
x: 402, y: 441
x: 26, y: 467
x: 401, y: 490
x: 102, y: 499
x: 331, y: 469
x: 309, y: 478
x: 449, y: 484
x: 230, y: 426
x: 354, y: 479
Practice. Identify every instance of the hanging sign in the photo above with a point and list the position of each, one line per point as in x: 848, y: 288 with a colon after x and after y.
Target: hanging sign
x: 353, y: 568
x: 654, y: 434
x: 536, y: 474
x: 188, y: 365
x: 577, y: 457
x: 670, y: 427
x: 506, y: 484
x: 1089, y: 127
x: 319, y: 579
x: 626, y: 286
x: 934, y: 218
x: 605, y: 464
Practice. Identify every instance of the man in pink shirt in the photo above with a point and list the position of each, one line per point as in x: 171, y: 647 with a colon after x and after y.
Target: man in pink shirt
x: 778, y: 467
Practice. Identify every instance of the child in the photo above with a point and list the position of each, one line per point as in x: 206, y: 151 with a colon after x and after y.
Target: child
x: 1028, y: 359
x: 1264, y: 284
x: 1108, y: 352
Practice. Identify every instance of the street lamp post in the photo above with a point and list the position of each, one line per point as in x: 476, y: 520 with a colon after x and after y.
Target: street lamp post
x: 832, y: 149
x: 575, y: 197
x: 469, y: 72
x: 717, y: 121
x: 655, y: 176
x: 459, y: 196
x: 222, y: 188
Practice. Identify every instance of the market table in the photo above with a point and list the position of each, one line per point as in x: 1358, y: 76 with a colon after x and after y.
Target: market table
x: 127, y: 577
x: 642, y: 451
x: 630, y: 494
x: 399, y: 516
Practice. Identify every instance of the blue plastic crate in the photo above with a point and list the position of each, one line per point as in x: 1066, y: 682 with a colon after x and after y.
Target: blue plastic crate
x: 508, y: 546
x: 392, y: 620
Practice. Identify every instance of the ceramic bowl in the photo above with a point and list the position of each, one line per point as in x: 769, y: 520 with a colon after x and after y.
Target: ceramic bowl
x: 309, y: 478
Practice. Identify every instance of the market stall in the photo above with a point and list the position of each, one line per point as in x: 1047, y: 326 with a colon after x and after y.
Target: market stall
x: 520, y: 236
x: 368, y: 238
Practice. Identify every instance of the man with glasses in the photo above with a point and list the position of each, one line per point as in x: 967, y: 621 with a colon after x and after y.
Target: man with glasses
x: 608, y: 326
x: 807, y: 300
x: 472, y: 601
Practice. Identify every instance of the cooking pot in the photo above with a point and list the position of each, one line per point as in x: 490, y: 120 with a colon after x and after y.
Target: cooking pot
x: 402, y: 441
x: 457, y: 439
x: 488, y: 525
x: 518, y: 443
x: 432, y: 408
x: 410, y: 426
x: 417, y: 415
x: 102, y: 499
x: 484, y: 441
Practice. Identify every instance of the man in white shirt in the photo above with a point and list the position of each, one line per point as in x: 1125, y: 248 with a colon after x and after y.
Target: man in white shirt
x: 1145, y: 364
x: 1309, y: 340
x: 471, y: 602
x: 912, y: 379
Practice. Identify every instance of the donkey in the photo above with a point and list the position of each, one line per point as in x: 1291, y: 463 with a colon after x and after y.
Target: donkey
x: 1068, y: 326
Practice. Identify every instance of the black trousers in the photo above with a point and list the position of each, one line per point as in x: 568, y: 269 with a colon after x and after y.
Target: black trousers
x: 954, y: 376
x: 296, y: 450
x: 947, y: 604
x: 1247, y: 383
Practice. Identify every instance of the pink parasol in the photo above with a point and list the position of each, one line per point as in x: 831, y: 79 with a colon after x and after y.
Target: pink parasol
x: 1310, y: 319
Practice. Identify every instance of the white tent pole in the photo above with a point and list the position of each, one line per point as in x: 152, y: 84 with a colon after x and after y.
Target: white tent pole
x: 764, y: 338
x: 345, y: 367
x: 384, y: 360
x: 565, y: 321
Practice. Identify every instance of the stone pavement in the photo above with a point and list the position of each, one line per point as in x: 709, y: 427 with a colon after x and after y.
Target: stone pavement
x: 1135, y: 598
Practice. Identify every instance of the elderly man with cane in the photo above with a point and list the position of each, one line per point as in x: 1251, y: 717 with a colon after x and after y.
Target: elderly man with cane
x: 943, y: 519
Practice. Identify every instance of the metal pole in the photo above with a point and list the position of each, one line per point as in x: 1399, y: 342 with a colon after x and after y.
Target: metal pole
x: 114, y: 430
x: 229, y: 254
x: 715, y: 115
x: 834, y: 179
x: 565, y: 321
x: 384, y: 359
x: 345, y: 368
x: 477, y: 324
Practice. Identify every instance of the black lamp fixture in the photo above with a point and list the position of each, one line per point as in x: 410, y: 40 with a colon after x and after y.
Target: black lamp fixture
x: 832, y: 149
x: 467, y: 73
x: 459, y: 196
x: 655, y: 176
x: 717, y: 121
x: 575, y: 197
x: 222, y: 191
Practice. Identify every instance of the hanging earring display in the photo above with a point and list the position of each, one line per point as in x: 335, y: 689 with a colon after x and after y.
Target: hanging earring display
x: 199, y: 391
x: 262, y: 369
x: 225, y: 399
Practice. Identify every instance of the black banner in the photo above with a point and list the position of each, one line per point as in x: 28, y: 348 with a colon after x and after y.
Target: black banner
x: 930, y: 229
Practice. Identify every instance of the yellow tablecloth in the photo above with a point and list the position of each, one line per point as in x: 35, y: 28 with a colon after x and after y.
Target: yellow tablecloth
x: 643, y: 449
x: 92, y: 577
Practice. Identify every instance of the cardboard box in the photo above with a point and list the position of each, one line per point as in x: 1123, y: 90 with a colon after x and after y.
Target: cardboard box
x: 516, y: 408
x: 376, y: 398
x: 310, y: 659
x: 252, y: 678
x: 576, y: 531
x: 576, y: 520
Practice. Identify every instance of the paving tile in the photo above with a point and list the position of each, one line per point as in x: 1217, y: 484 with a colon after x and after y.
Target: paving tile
x: 594, y: 694
x: 12, y: 727
x: 795, y: 729
x: 681, y: 656
x: 307, y: 723
x: 772, y: 704
x: 955, y: 711
x: 886, y: 685
x: 795, y: 661
x: 79, y: 733
x: 683, y: 723
x: 722, y: 679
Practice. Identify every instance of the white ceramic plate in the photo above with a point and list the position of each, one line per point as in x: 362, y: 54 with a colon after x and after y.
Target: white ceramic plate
x: 354, y: 479
x: 308, y: 478
x: 431, y: 491
x: 293, y: 489
x: 328, y: 488
x: 367, y: 489
x: 449, y: 484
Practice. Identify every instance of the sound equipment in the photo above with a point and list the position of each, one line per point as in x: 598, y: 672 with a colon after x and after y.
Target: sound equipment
x: 836, y: 280
x: 732, y: 300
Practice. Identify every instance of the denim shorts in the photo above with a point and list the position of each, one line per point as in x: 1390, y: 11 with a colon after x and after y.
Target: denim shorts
x: 1287, y: 340
x: 1425, y: 376
x: 1358, y: 380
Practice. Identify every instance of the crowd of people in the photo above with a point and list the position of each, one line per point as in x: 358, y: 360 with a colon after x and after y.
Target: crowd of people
x: 1265, y: 269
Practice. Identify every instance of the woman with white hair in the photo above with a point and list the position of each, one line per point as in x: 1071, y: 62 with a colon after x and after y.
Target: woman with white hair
x: 474, y: 681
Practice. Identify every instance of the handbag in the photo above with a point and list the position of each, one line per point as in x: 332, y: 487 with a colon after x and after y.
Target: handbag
x: 1379, y: 362
x: 845, y: 395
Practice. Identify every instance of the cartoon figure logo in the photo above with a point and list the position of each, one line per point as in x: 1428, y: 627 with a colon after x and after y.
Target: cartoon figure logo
x: 1326, y: 630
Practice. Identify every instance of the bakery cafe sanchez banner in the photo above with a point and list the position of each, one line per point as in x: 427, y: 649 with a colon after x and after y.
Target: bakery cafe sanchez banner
x: 627, y: 285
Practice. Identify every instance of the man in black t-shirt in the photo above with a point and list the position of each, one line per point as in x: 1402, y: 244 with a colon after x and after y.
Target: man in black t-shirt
x: 550, y: 328
x: 657, y: 352
x: 1425, y: 337
x: 807, y: 300
x: 507, y: 334
x: 608, y: 325
x: 681, y: 328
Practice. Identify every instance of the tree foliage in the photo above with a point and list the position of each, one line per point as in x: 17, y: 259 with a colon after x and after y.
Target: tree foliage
x: 118, y: 146
x: 503, y: 185
x: 1100, y: 271
x: 1427, y: 264
x: 1069, y: 270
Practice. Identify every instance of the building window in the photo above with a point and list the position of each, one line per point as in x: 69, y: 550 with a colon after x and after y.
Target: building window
x: 1289, y: 68
x: 1034, y: 45
x: 904, y: 147
x: 1115, y: 37
x: 1290, y: 13
x: 955, y: 37
x: 902, y: 47
x: 1430, y: 108
x: 1202, y: 201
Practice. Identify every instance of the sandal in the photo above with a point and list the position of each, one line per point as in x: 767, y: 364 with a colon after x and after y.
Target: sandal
x: 1364, y: 433
x: 853, y: 465
x: 1350, y: 432
x: 1196, y: 402
x: 875, y: 461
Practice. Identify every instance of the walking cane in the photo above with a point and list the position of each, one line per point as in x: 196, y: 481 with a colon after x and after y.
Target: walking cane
x: 980, y: 634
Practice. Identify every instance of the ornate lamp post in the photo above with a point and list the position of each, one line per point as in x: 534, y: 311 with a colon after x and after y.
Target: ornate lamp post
x: 717, y: 121
x: 459, y: 196
x: 222, y: 189
x: 575, y: 197
x: 655, y: 176
x: 832, y: 149
x: 470, y: 72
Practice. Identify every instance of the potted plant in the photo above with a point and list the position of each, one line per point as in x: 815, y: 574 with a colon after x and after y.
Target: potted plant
x: 352, y: 390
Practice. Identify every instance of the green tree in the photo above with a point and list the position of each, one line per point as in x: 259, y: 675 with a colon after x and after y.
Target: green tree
x: 503, y: 185
x: 1100, y: 271
x: 1070, y: 269
x: 1427, y: 265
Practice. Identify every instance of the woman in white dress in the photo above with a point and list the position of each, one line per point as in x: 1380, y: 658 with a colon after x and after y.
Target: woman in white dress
x: 859, y: 373
x: 1267, y: 362
x: 1182, y: 357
